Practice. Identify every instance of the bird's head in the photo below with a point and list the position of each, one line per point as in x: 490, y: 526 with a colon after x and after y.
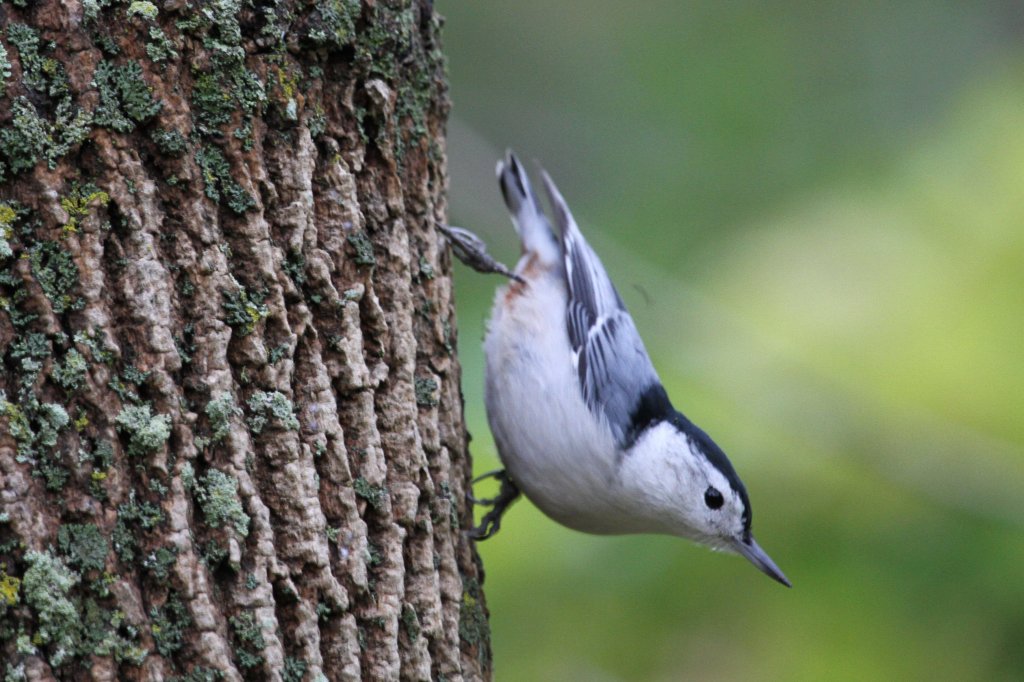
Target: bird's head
x: 699, y: 495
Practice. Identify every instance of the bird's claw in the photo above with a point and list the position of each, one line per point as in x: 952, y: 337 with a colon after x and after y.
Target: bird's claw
x: 507, y: 494
x: 472, y: 251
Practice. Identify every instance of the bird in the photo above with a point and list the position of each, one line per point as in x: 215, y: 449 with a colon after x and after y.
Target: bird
x: 582, y: 423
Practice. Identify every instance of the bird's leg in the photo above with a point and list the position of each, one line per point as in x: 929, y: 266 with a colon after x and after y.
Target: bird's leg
x: 487, y: 501
x: 472, y: 251
x: 507, y: 494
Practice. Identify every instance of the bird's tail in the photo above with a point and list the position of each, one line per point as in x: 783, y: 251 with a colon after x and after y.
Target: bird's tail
x: 531, y: 224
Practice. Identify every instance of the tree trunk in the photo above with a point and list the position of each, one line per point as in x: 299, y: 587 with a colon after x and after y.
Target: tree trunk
x: 231, y: 432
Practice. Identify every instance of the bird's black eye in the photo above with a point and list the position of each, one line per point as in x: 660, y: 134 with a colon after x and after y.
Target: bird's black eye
x: 712, y: 498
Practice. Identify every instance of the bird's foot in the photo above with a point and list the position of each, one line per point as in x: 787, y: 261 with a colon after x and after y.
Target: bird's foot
x: 472, y: 251
x: 507, y: 494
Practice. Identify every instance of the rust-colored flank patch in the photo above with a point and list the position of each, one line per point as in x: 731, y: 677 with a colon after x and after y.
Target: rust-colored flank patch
x: 531, y: 270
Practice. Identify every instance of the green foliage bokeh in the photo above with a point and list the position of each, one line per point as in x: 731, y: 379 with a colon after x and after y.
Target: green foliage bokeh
x: 815, y: 213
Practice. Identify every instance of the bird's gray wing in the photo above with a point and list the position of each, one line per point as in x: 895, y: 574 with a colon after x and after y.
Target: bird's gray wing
x: 615, y: 373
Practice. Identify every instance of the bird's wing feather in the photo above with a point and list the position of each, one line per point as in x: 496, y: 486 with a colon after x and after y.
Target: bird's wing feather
x: 615, y: 372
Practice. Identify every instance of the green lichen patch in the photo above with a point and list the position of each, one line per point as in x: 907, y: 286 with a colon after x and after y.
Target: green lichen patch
x: 284, y: 86
x: 332, y: 23
x: 363, y: 248
x: 158, y: 486
x: 93, y: 340
x: 295, y: 267
x: 8, y: 214
x: 15, y: 673
x: 393, y: 49
x: 147, y: 432
x: 125, y: 98
x: 224, y: 85
x: 375, y: 495
x: 185, y: 344
x: 36, y: 428
x: 39, y: 72
x: 159, y: 47
x: 30, y: 136
x: 448, y: 506
x: 246, y: 88
x: 92, y: 8
x: 101, y: 585
x: 81, y: 421
x: 5, y: 70
x: 169, y: 623
x: 55, y: 271
x: 146, y: 514
x: 374, y: 558
x: 18, y: 426
x: 79, y: 202
x: 47, y: 585
x: 8, y: 219
x: 250, y: 638
x: 277, y: 353
x: 70, y: 374
x: 83, y: 545
x: 51, y: 418
x: 426, y: 392
x: 217, y: 24
x: 126, y: 383
x: 124, y: 389
x: 214, y: 554
x: 160, y: 562
x: 426, y: 269
x: 169, y: 142
x: 265, y: 406
x: 294, y: 669
x: 31, y: 345
x: 411, y: 622
x: 388, y: 35
x: 71, y: 126
x: 474, y: 629
x: 212, y: 104
x: 317, y: 121
x: 48, y: 464
x: 217, y: 180
x: 102, y: 457
x: 245, y: 310
x: 25, y: 140
x: 133, y: 513
x: 109, y: 633
x: 10, y: 591
x: 219, y: 411
x: 12, y: 295
x: 217, y: 494
x: 146, y: 10
x: 187, y: 476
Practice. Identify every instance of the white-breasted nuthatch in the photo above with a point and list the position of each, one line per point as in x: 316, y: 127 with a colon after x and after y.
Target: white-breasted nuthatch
x: 580, y: 418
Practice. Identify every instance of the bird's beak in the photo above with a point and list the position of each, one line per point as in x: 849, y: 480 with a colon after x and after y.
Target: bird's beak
x: 757, y: 556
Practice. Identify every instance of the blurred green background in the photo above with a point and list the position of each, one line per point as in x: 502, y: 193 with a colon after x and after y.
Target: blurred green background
x: 815, y: 212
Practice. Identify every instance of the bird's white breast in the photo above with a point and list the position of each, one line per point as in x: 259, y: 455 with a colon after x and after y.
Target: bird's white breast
x: 556, y: 451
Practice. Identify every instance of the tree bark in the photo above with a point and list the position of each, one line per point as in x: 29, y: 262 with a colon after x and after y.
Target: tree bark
x: 231, y: 432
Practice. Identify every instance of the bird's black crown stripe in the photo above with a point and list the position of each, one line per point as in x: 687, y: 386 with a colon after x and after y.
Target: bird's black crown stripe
x: 718, y: 460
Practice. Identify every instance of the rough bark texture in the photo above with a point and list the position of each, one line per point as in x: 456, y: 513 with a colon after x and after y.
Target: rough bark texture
x: 231, y: 434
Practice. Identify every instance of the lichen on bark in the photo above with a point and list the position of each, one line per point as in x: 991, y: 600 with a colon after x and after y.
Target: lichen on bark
x: 231, y: 430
